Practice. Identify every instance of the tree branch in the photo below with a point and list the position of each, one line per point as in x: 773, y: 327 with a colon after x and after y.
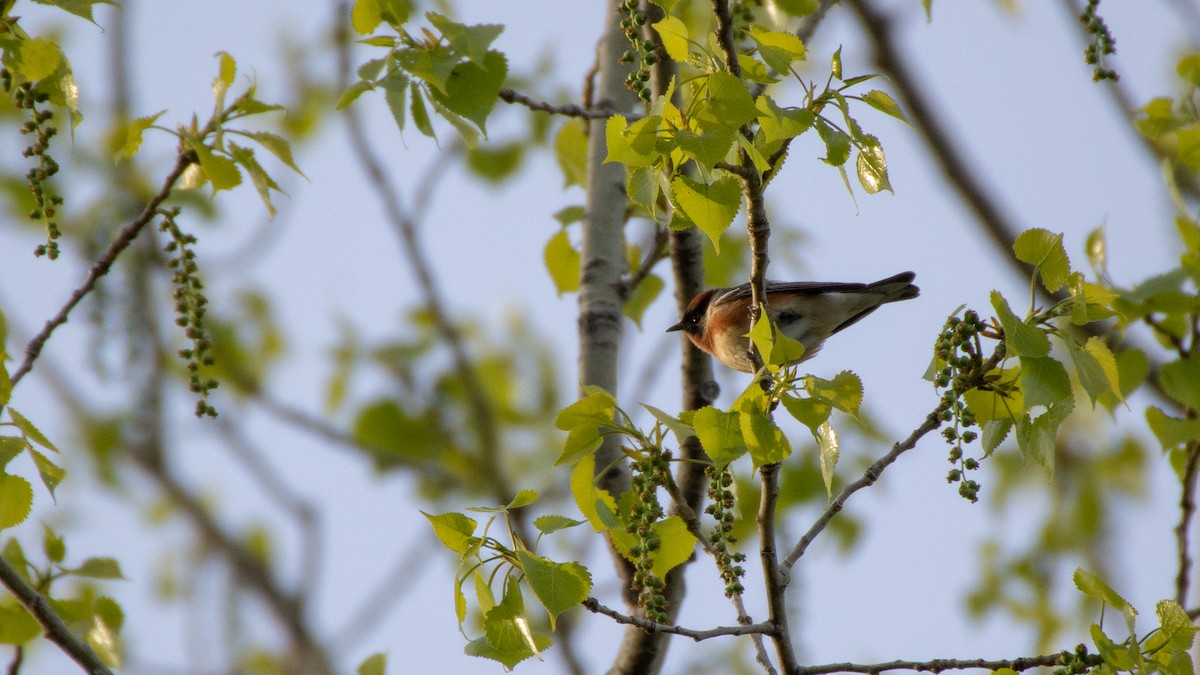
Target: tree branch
x: 567, y: 109
x: 52, y: 625
x: 772, y: 577
x: 939, y: 665
x: 932, y: 421
x: 103, y: 264
x: 1187, y: 510
x: 594, y: 605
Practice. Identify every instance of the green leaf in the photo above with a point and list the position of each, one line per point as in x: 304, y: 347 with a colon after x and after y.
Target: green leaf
x: 420, y: 114
x: 353, y: 92
x: 1180, y: 379
x: 473, y: 88
x: 471, y: 41
x: 226, y: 71
x: 596, y: 408
x: 220, y: 171
x: 395, y: 94
x: 828, y: 442
x: 779, y: 123
x: 550, y: 523
x: 1119, y: 657
x: 1177, y: 632
x: 632, y: 144
x: 1094, y: 587
x: 1044, y: 381
x: 99, y: 568
x: 31, y: 59
x: 643, y: 187
x: 591, y: 500
x: 720, y: 433
x: 678, y: 427
x: 366, y: 15
x: 16, y: 500
x: 676, y: 545
x: 844, y: 391
x: 30, y: 431
x: 1172, y: 432
x: 80, y: 8
x: 1020, y: 338
x: 1096, y: 368
x: 53, y: 545
x: 1036, y: 437
x: 562, y: 262
x: 50, y: 473
x: 885, y: 104
x: 674, y: 36
x: 277, y: 145
x: 507, y: 634
x: 994, y: 433
x: 779, y: 50
x: 835, y: 63
x: 455, y: 530
x: 558, y: 586
x: 712, y: 207
x: 837, y: 143
x: 129, y: 138
x: 729, y: 103
x: 810, y: 412
x: 1044, y: 250
x: 375, y: 664
x: 643, y: 295
x: 570, y: 149
x: 523, y: 498
x: 11, y: 447
x: 872, y: 167
x: 17, y: 627
x: 706, y: 148
x: 263, y: 183
x: 765, y: 441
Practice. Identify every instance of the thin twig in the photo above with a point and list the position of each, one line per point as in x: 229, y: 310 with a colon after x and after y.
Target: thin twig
x: 594, y: 605
x: 52, y: 625
x: 939, y: 665
x: 103, y: 264
x: 1187, y: 510
x: 567, y: 109
x: 773, y: 580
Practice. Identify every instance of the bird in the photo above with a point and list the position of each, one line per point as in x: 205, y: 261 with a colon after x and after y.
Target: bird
x: 718, y: 319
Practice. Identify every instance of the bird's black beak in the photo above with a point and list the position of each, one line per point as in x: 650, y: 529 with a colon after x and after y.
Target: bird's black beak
x: 678, y: 326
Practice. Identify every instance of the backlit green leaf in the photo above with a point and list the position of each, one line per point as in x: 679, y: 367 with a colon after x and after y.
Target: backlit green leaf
x: 711, y: 206
x: 886, y: 104
x: 1020, y: 338
x: 837, y: 143
x: 31, y: 432
x: 99, y: 568
x: 830, y: 451
x: 872, y: 166
x: 471, y: 41
x: 1044, y: 250
x: 473, y: 88
x: 558, y: 586
x: 676, y: 545
x: 562, y: 261
x: 1044, y: 381
x: 778, y: 49
x: 455, y: 530
x: 674, y: 36
x: 765, y: 441
x: 375, y: 664
x: 720, y: 433
x: 642, y: 297
x: 16, y: 499
x: 570, y: 149
x: 31, y: 59
x: 130, y: 137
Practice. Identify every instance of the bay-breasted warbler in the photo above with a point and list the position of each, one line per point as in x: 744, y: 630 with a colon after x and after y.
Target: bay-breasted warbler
x: 717, y: 320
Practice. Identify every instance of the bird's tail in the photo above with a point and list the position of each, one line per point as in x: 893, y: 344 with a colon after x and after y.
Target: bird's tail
x: 895, y: 288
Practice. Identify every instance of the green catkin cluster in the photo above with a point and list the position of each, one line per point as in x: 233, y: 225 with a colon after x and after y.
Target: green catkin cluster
x: 46, y: 200
x: 722, y: 508
x: 641, y: 53
x: 1100, y: 44
x: 649, y: 473
x: 958, y: 347
x: 190, y: 303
